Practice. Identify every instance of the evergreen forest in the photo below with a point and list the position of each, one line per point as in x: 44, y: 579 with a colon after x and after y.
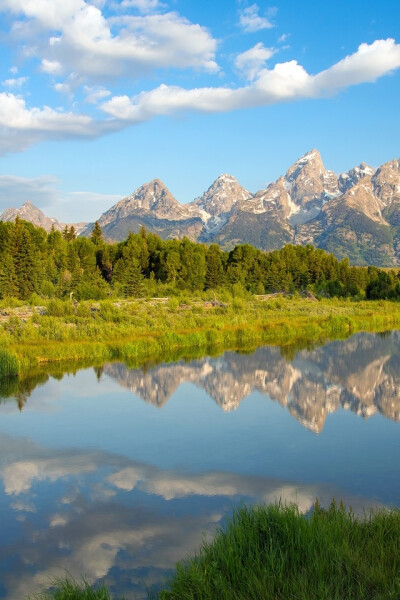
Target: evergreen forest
x: 61, y: 265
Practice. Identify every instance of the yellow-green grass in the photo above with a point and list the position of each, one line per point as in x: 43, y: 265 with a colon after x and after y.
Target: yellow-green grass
x: 139, y: 331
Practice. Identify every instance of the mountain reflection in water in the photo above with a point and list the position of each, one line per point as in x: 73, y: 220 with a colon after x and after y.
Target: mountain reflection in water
x: 361, y: 374
x: 97, y: 482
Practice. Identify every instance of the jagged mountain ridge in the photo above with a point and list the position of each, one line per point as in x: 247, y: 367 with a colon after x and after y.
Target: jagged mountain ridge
x: 354, y: 215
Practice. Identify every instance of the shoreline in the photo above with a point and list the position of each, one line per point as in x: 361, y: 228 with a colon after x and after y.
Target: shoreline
x: 141, y: 331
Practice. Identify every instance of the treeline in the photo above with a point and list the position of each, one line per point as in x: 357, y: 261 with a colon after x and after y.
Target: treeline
x: 59, y: 265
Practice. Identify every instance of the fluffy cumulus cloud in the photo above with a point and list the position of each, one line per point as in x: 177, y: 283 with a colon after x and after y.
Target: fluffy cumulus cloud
x: 285, y: 82
x: 251, y: 21
x: 76, y: 37
x: 21, y: 126
x: 80, y: 48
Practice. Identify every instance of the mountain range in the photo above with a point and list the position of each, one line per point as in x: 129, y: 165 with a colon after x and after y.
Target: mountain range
x: 354, y: 215
x: 360, y: 374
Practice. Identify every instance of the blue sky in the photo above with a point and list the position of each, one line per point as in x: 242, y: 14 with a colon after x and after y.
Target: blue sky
x: 99, y: 96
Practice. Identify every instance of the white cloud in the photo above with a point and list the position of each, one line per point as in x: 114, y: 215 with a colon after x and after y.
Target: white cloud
x: 249, y: 63
x: 17, y: 82
x: 62, y: 88
x: 367, y: 64
x: 20, y: 126
x: 74, y: 36
x: 250, y: 21
x: 95, y: 94
x: 286, y: 82
x: 52, y: 67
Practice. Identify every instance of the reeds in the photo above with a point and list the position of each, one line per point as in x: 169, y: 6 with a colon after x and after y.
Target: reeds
x: 8, y: 365
x: 69, y: 589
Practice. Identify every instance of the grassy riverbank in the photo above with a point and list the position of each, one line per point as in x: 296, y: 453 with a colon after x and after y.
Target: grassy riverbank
x: 274, y: 552
x: 140, y: 330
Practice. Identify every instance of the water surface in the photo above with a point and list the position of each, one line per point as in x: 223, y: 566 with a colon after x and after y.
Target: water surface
x: 116, y: 473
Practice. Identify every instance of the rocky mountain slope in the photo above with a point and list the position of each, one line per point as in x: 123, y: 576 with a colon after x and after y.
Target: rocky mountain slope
x: 30, y: 212
x: 354, y: 215
x: 154, y: 207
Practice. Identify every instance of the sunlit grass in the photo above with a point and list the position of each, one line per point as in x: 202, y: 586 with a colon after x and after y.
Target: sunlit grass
x: 146, y: 329
x: 275, y: 553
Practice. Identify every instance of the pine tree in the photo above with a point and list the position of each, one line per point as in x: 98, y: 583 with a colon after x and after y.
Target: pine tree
x: 26, y: 261
x: 133, y: 279
x: 97, y: 235
x: 215, y: 271
x: 8, y: 279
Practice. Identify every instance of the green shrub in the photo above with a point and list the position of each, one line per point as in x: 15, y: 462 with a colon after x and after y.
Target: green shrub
x: 35, y: 300
x: 59, y: 308
x: 48, y: 290
x: 90, y: 291
x: 173, y: 303
x: 83, y: 310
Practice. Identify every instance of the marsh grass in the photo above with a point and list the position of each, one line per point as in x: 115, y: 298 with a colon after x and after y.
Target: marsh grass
x: 8, y: 365
x: 273, y: 552
x: 69, y: 589
x: 276, y: 553
x: 150, y: 330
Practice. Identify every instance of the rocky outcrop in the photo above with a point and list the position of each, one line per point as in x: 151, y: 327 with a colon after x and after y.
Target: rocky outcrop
x: 30, y: 212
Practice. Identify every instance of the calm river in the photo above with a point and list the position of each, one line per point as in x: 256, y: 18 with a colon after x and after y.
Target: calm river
x: 117, y: 474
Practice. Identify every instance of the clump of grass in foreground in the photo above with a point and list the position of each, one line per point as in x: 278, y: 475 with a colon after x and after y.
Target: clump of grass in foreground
x: 274, y: 552
x: 69, y: 589
x: 8, y: 365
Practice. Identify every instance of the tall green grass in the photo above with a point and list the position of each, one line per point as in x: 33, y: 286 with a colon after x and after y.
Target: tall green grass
x: 147, y: 329
x: 69, y: 589
x: 8, y: 365
x: 275, y: 553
